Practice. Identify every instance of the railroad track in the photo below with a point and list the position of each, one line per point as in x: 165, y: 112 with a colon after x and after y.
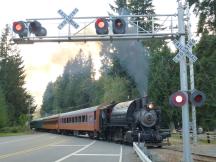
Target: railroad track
x: 196, y: 156
x: 203, y: 158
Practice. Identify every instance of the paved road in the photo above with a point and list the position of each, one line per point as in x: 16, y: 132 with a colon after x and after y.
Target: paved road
x: 45, y: 147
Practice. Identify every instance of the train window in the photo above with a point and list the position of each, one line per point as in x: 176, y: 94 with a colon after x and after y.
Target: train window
x: 83, y: 118
x: 72, y: 119
x: 75, y: 119
x: 94, y: 115
x: 79, y: 119
x: 90, y: 118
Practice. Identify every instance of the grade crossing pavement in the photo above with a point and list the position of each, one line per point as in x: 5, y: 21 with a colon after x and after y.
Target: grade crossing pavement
x: 46, y: 147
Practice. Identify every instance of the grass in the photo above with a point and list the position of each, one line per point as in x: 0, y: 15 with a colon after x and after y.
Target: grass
x: 175, y: 139
x: 206, y: 142
x: 14, y: 131
x: 13, y: 134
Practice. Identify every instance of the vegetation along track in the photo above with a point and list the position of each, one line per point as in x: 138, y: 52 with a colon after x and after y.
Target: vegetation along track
x: 196, y: 156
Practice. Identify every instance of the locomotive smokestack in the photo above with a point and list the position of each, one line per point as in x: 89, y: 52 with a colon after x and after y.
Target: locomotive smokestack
x: 144, y: 100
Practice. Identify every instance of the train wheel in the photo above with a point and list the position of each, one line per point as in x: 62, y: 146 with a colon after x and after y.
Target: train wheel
x: 91, y: 135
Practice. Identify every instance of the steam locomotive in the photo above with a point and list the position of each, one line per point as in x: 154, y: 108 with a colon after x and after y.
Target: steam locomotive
x: 135, y: 120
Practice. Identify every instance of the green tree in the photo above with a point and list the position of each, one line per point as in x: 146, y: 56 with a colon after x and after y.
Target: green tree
x: 48, y: 97
x: 204, y: 68
x: 164, y: 80
x: 3, y: 110
x: 115, y: 89
x: 74, y: 89
x: 205, y: 79
x: 206, y: 10
x: 12, y: 81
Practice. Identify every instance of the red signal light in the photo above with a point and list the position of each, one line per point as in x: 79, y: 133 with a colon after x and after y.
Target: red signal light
x: 178, y: 99
x: 197, y: 98
x: 101, y: 26
x: 36, y: 28
x: 118, y: 23
x: 119, y: 26
x: 20, y: 27
x: 100, y: 23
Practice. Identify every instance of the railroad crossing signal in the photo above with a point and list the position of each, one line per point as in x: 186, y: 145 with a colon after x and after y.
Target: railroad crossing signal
x: 184, y: 50
x: 116, y: 28
x: 119, y: 26
x: 20, y: 28
x: 101, y: 26
x: 178, y: 99
x: 197, y: 98
x: 68, y: 19
x: 36, y: 28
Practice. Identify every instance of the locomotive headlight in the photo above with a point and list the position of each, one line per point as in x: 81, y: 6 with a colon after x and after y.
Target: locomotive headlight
x: 151, y: 105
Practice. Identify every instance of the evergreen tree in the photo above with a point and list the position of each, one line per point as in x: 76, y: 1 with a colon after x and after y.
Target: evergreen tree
x: 3, y: 110
x: 164, y: 80
x: 115, y: 89
x: 205, y: 76
x: 206, y: 10
x: 74, y: 89
x: 205, y: 79
x: 12, y: 81
x: 48, y: 98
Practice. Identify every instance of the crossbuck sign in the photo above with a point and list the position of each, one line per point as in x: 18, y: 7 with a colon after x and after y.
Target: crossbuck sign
x: 68, y: 19
x: 184, y: 50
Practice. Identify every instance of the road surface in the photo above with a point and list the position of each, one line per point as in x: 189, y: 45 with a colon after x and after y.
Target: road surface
x: 46, y: 147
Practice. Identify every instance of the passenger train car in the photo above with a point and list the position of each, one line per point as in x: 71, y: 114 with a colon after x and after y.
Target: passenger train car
x: 126, y: 121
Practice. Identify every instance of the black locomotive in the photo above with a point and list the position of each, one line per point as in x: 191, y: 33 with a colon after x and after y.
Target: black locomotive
x: 135, y: 120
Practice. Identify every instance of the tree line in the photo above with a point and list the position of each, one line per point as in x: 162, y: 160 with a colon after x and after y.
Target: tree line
x: 16, y: 103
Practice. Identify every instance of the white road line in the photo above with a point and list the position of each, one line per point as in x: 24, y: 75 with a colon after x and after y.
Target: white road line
x: 67, y: 156
x: 18, y: 140
x: 120, y: 157
x: 68, y: 145
x: 96, y: 155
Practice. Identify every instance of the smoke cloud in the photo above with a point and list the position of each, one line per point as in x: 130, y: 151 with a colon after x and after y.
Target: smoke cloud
x: 135, y: 58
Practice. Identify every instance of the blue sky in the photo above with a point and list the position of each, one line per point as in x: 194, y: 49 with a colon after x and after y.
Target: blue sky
x: 44, y: 62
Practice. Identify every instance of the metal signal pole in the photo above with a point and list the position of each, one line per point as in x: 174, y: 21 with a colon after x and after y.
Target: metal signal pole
x: 184, y: 87
x: 192, y: 86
